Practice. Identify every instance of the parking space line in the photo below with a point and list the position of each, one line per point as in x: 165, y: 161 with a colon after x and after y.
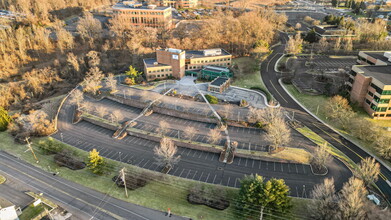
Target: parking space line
x: 206, y: 156
x: 140, y: 161
x: 274, y: 166
x: 187, y: 174
x: 145, y: 164
x: 297, y: 191
x: 246, y: 162
x: 240, y: 159
x: 212, y: 157
x: 267, y: 165
x: 229, y: 178
x: 236, y: 180
x: 181, y: 172
x: 260, y: 164
x: 214, y: 178
x: 200, y: 176
x: 194, y: 153
x: 189, y: 152
x: 303, y: 169
x: 297, y: 171
x: 104, y: 152
x: 282, y: 169
x: 253, y: 163
x: 176, y: 169
x: 207, y: 178
x: 200, y: 154
x: 194, y: 175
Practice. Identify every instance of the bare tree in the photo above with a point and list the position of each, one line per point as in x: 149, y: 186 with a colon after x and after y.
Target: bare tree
x: 321, y: 156
x: 189, y: 132
x: 278, y: 133
x: 214, y: 136
x: 111, y: 82
x: 165, y: 153
x: 118, y: 116
x: 163, y: 128
x: 101, y: 111
x: 338, y: 109
x: 337, y: 45
x: 253, y: 115
x: 72, y: 60
x: 227, y: 110
x: 323, y: 45
x: 93, y: 80
x: 368, y: 171
x: 93, y: 59
x: 352, y: 200
x: 323, y: 204
x: 89, y: 28
x: 77, y: 98
x: 297, y: 26
x: 294, y: 45
x: 86, y: 106
x: 348, y: 46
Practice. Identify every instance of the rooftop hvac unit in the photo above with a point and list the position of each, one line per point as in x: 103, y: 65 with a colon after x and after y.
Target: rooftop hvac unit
x: 155, y: 63
x: 152, y: 6
x: 172, y: 50
x: 128, y: 3
x: 212, y: 52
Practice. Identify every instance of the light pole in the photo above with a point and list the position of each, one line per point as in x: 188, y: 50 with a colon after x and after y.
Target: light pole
x: 62, y: 137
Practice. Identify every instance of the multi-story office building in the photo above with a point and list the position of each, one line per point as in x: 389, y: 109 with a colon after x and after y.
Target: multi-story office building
x: 179, y: 3
x: 370, y: 83
x: 174, y: 62
x: 148, y: 16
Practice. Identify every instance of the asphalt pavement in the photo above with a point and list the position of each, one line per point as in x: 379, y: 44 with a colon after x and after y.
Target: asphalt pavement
x: 84, y: 202
x: 270, y: 77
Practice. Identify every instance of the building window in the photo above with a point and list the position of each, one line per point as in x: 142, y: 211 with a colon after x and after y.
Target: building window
x: 367, y: 101
x: 381, y: 109
x: 386, y: 92
x: 378, y: 90
x: 377, y: 99
x: 353, y: 73
x: 373, y: 107
x: 384, y: 101
x: 388, y: 115
x: 370, y: 93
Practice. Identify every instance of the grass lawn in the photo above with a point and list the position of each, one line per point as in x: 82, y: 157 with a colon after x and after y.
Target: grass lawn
x: 248, y: 75
x: 160, y: 194
x: 316, y: 104
x: 293, y: 154
x: 32, y: 211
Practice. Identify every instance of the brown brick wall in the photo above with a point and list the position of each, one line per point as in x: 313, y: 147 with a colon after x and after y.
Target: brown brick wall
x: 359, y: 88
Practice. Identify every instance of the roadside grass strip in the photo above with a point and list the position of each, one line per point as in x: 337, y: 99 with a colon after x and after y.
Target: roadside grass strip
x: 159, y: 194
x: 318, y: 140
x: 2, y: 179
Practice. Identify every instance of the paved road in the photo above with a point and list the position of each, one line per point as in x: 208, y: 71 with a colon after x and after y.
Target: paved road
x: 270, y: 78
x: 84, y: 202
x: 194, y: 164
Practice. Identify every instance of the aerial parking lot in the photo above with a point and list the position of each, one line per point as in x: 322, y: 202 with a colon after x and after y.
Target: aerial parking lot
x: 195, y: 164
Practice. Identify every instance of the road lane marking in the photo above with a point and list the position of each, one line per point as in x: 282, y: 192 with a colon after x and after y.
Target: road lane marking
x: 278, y: 91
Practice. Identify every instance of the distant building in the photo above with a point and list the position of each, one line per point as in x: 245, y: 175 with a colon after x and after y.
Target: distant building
x: 370, y: 83
x: 8, y: 211
x: 176, y: 63
x: 220, y: 84
x: 331, y: 32
x: 148, y: 16
x: 179, y: 3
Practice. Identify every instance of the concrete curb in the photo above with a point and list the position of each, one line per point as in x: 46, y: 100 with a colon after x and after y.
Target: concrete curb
x: 263, y: 95
x: 279, y: 59
x: 322, y: 174
x: 347, y: 138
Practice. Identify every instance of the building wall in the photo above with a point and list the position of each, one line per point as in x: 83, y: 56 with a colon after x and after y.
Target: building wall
x: 147, y: 17
x: 179, y: 3
x: 175, y: 60
x: 364, y: 59
x: 198, y: 63
x: 359, y: 87
x: 158, y: 72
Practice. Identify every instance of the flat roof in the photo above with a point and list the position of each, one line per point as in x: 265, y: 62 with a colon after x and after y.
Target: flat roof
x: 121, y: 6
x: 200, y: 54
x: 377, y: 55
x: 216, y: 70
x: 219, y: 81
x: 381, y: 73
x: 149, y: 62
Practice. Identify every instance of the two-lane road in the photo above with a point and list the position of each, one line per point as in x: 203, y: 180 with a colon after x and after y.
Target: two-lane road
x: 270, y: 77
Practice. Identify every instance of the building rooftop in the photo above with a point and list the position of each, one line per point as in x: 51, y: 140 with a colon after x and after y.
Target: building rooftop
x: 377, y: 55
x: 200, y: 53
x: 5, y: 203
x: 122, y: 6
x: 152, y: 62
x: 216, y: 69
x: 219, y: 81
x: 381, y: 73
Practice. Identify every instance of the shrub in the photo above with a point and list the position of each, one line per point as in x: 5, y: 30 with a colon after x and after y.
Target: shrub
x: 211, y: 196
x: 49, y: 146
x: 4, y: 119
x: 64, y: 159
x: 211, y: 99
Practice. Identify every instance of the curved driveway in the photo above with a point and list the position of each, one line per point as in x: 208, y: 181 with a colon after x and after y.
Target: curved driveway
x: 270, y: 77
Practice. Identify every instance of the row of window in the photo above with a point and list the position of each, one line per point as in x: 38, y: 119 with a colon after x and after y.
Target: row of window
x: 140, y: 13
x: 382, y: 115
x: 200, y: 67
x: 159, y: 76
x: 378, y: 90
x: 160, y: 70
x: 208, y: 61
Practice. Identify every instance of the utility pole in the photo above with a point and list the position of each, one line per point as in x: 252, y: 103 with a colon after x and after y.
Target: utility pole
x: 261, y: 217
x: 123, y: 179
x: 31, y: 149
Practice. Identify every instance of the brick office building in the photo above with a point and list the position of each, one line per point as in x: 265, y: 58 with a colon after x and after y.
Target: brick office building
x: 141, y: 15
x: 370, y: 85
x: 178, y: 3
x: 174, y: 62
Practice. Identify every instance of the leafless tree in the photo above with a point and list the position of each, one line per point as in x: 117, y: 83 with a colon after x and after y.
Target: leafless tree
x: 352, y: 200
x: 72, y: 60
x: 338, y: 109
x: 64, y: 38
x: 101, y: 111
x: 93, y: 58
x: 348, y: 46
x: 163, y: 128
x: 337, y: 45
x: 382, y: 145
x: 214, y: 136
x: 111, y: 82
x: 118, y: 116
x: 297, y: 26
x: 368, y: 171
x: 294, y: 45
x: 77, y: 97
x: 321, y: 156
x: 278, y: 133
x: 269, y: 115
x: 87, y: 106
x: 89, y: 28
x: 93, y: 80
x: 227, y: 110
x: 324, y: 201
x: 165, y: 153
x: 323, y: 45
x: 190, y: 132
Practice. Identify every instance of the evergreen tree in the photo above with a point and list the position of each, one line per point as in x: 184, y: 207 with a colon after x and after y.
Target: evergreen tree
x: 96, y: 163
x: 257, y: 197
x: 5, y: 119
